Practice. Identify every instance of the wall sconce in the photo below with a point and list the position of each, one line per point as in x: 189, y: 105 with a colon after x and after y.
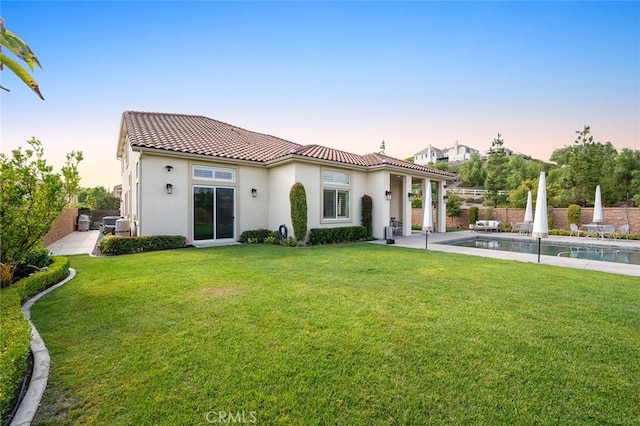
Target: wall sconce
x: 410, y: 195
x: 169, y: 189
x: 254, y: 192
x: 388, y: 195
x: 445, y: 198
x: 169, y: 168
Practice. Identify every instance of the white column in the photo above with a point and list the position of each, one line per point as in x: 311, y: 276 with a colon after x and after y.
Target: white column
x: 406, y: 211
x: 442, y: 208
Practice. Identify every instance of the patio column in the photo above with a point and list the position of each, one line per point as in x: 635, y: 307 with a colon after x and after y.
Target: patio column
x: 406, y: 210
x: 442, y: 208
x: 425, y: 182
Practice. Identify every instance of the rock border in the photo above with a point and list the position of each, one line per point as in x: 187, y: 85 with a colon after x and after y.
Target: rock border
x: 30, y: 402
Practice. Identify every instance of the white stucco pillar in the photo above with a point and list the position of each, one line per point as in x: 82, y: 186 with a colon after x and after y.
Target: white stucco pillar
x: 406, y: 211
x: 442, y: 208
x: 425, y: 182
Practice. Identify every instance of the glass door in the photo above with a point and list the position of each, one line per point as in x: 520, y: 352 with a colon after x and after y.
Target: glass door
x: 213, y: 213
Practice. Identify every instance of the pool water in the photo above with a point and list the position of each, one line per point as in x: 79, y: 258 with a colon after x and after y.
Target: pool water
x: 577, y: 251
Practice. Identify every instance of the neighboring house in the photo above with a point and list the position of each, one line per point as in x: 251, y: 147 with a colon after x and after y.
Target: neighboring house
x: 210, y: 181
x: 454, y: 154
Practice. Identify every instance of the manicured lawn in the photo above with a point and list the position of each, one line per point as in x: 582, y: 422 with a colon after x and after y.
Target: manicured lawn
x: 349, y: 334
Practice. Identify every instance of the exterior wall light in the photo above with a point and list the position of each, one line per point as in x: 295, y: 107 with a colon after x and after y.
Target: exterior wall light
x: 410, y: 195
x: 169, y: 168
x: 169, y: 189
x: 254, y: 192
x: 388, y: 195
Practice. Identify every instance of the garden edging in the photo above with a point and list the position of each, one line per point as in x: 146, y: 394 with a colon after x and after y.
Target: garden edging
x: 31, y: 401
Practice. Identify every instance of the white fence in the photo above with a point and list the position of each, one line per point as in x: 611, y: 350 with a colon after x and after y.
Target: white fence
x: 473, y: 192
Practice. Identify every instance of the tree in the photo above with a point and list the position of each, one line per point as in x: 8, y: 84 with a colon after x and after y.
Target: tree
x: 15, y: 45
x: 496, y: 179
x: 453, y: 204
x: 98, y: 198
x: 627, y: 174
x: 31, y: 197
x: 440, y: 165
x: 584, y: 165
x: 472, y: 172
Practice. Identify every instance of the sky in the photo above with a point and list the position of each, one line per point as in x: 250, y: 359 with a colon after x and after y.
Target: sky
x: 346, y: 75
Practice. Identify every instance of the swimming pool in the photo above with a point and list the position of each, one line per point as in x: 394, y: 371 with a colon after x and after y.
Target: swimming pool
x: 577, y: 251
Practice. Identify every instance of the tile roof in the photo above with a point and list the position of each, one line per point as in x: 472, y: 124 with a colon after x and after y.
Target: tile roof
x: 196, y: 134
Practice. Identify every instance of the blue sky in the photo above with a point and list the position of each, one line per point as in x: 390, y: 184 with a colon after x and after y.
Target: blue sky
x: 341, y: 74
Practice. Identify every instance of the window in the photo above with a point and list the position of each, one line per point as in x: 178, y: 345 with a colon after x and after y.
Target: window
x: 214, y: 173
x: 336, y: 178
x: 335, y: 204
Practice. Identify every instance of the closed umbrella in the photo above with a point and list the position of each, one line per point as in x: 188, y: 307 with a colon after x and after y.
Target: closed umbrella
x: 540, y: 223
x: 528, y: 214
x: 597, y: 207
x: 427, y: 221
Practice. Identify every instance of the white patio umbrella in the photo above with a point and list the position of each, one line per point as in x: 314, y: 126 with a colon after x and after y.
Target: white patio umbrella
x: 540, y: 223
x: 597, y: 207
x: 427, y: 221
x: 528, y: 213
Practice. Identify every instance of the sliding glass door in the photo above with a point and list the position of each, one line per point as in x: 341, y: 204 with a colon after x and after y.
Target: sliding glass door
x: 213, y: 213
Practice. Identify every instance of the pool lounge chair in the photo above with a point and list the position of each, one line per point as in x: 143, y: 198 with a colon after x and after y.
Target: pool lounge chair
x: 622, y: 231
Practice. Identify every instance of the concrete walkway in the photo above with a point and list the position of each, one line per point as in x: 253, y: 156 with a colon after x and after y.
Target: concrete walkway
x: 436, y: 240
x: 75, y: 243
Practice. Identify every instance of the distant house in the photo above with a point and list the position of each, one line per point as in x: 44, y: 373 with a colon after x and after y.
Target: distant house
x: 210, y: 181
x: 454, y: 154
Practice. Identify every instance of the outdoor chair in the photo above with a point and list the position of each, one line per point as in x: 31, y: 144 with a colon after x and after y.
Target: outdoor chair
x: 574, y: 228
x: 608, y: 230
x: 623, y: 230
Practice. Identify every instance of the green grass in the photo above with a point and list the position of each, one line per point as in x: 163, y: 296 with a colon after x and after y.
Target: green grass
x: 349, y: 334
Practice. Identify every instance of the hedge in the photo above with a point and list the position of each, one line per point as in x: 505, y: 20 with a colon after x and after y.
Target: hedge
x: 14, y: 333
x: 338, y: 235
x: 257, y: 236
x: 113, y: 245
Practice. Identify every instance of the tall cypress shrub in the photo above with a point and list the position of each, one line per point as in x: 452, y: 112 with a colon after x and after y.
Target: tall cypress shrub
x: 298, y: 203
x: 574, y: 212
x: 367, y: 214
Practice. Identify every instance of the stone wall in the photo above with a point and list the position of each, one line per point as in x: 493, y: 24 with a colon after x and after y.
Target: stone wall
x: 616, y: 216
x: 63, y: 225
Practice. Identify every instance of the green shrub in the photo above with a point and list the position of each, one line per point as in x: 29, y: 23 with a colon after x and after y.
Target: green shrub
x: 489, y: 213
x: 319, y: 236
x: 367, y: 213
x: 113, y: 245
x: 574, y: 213
x: 298, y: 202
x: 474, y: 214
x: 551, y: 220
x: 257, y: 236
x: 14, y: 333
x: 272, y: 239
x: 36, y: 258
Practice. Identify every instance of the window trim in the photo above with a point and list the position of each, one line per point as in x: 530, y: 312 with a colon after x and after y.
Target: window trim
x: 213, y: 171
x: 336, y: 187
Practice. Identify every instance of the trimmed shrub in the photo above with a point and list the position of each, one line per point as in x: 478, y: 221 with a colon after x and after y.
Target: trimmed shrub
x: 574, y: 212
x: 257, y: 236
x: 113, y: 245
x: 367, y: 213
x: 489, y: 213
x: 298, y: 202
x: 342, y: 234
x: 474, y: 214
x: 14, y: 333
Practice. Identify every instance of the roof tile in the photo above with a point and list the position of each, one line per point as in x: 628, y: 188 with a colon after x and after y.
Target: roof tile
x: 196, y: 134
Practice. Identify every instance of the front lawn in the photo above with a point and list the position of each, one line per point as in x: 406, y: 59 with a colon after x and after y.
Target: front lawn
x: 347, y: 334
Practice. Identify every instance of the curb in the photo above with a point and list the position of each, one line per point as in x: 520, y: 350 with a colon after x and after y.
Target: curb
x: 31, y: 401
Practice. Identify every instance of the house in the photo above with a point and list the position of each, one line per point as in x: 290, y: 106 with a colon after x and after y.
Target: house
x: 454, y: 154
x: 210, y: 181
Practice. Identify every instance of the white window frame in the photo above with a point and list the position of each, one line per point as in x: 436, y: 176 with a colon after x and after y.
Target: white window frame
x: 217, y: 174
x: 337, y: 182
